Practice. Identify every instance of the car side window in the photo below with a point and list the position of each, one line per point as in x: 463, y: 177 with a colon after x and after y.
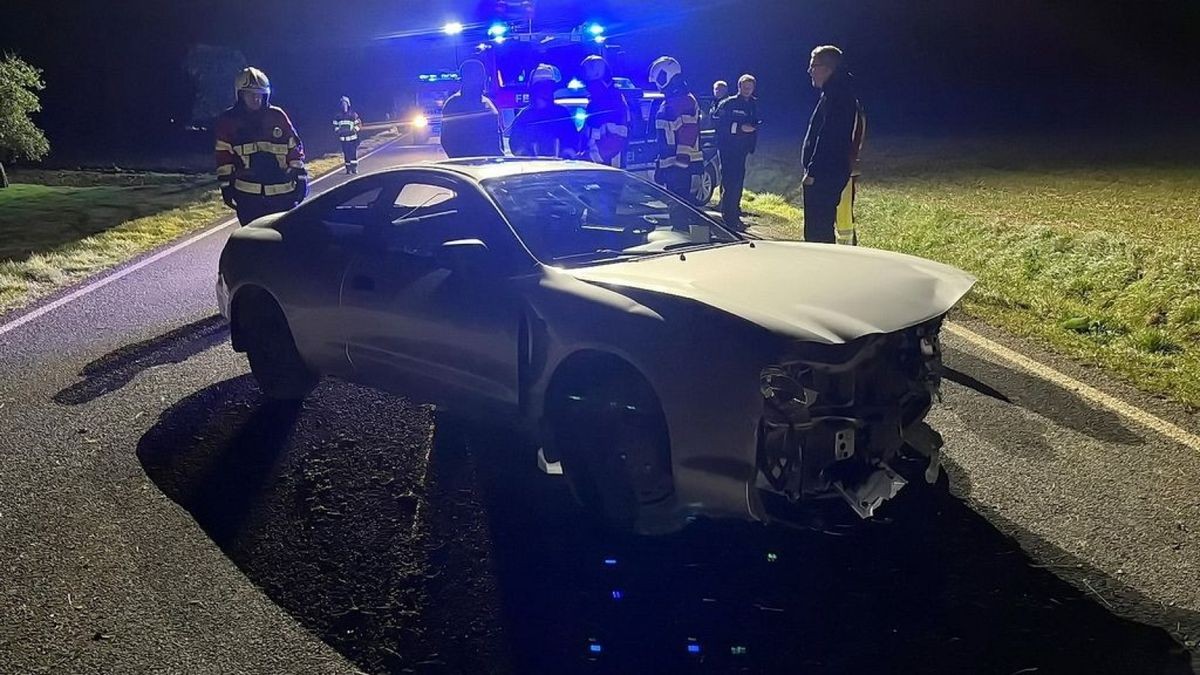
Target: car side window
x: 348, y: 213
x: 424, y: 216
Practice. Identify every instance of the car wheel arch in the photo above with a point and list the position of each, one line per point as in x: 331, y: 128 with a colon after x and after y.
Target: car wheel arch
x: 579, y: 367
x: 247, y: 296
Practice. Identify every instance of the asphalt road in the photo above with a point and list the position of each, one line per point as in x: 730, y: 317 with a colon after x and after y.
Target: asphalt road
x: 157, y: 515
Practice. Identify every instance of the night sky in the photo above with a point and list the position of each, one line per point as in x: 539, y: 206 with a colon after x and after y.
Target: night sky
x: 115, y: 69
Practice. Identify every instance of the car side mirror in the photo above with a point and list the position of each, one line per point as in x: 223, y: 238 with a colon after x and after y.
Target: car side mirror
x: 468, y: 257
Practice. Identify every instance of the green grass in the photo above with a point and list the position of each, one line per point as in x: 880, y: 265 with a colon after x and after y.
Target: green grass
x: 1095, y: 251
x: 70, y: 225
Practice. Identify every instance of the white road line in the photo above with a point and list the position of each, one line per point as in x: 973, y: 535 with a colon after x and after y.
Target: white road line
x: 1116, y: 405
x: 104, y: 281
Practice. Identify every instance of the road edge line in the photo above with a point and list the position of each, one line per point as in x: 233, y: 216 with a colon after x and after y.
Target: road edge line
x: 1088, y: 392
x: 125, y: 271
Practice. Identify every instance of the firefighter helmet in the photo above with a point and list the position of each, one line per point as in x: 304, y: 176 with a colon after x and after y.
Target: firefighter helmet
x: 253, y: 79
x: 545, y: 73
x: 346, y: 101
x: 664, y: 70
x: 594, y: 68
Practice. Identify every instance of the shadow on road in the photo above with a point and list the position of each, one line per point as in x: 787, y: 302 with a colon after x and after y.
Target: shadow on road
x: 936, y: 590
x: 118, y: 368
x: 315, y: 504
x: 1063, y: 407
x: 468, y: 560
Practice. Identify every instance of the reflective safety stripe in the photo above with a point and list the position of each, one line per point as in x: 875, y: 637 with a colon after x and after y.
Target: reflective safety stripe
x: 247, y: 149
x: 222, y: 146
x: 260, y: 189
x: 296, y: 164
x: 846, y: 233
x: 225, y: 170
x: 291, y: 142
x: 347, y: 139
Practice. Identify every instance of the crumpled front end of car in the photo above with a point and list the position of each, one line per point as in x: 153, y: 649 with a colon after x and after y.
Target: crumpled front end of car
x: 838, y: 420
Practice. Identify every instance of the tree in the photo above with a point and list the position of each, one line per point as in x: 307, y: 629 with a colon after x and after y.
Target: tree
x: 212, y: 70
x: 19, y: 136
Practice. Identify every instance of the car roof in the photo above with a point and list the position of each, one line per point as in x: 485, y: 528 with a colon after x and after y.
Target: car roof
x: 484, y: 168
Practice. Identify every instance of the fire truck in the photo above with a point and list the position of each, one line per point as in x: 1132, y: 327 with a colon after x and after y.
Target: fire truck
x: 511, y: 51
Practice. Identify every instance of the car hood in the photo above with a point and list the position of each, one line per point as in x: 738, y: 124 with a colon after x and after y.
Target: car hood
x: 816, y: 292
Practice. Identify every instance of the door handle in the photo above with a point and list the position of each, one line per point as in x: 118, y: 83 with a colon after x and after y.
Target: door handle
x: 362, y: 283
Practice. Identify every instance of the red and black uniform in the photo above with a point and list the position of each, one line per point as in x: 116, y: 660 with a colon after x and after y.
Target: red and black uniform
x: 260, y: 161
x: 678, y: 127
x: 606, y: 131
x: 347, y: 124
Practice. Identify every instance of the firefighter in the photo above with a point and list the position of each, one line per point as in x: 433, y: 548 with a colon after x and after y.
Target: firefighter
x: 544, y: 128
x: 260, y: 160
x: 680, y: 161
x: 470, y: 122
x: 606, y: 129
x: 347, y: 124
x: 737, y: 123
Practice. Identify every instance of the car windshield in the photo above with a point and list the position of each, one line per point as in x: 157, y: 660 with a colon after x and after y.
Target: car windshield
x: 571, y: 218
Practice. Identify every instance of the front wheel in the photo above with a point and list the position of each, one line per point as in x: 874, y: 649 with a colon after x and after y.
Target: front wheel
x: 274, y: 360
x: 615, y: 450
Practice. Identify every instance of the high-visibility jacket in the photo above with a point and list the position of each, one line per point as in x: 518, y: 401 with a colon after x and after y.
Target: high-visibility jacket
x: 258, y: 152
x: 346, y: 125
x: 678, y: 126
x: 606, y: 129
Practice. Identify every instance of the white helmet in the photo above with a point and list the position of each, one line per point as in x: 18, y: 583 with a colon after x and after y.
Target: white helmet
x: 663, y: 71
x: 594, y: 68
x: 545, y: 73
x: 346, y: 101
x: 252, y: 79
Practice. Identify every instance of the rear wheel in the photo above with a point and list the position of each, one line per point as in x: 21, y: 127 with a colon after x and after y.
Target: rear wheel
x: 274, y: 360
x: 612, y: 438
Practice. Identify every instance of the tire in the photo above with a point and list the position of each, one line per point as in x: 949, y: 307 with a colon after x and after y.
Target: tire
x: 274, y: 360
x: 615, y: 451
x: 708, y: 186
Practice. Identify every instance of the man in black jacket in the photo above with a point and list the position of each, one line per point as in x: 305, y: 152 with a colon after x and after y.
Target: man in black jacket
x: 470, y: 122
x: 736, y: 120
x: 829, y: 146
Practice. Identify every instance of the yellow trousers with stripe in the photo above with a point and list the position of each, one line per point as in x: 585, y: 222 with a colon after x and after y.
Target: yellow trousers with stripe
x: 844, y: 224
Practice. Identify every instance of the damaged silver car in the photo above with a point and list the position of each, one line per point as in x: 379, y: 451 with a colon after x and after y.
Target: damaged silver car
x: 667, y: 366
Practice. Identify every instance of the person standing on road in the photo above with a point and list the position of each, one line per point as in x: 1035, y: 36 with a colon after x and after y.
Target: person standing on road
x: 680, y: 161
x: 829, y: 145
x: 544, y: 128
x: 347, y: 124
x: 259, y: 156
x: 737, y: 121
x: 606, y: 127
x: 470, y: 121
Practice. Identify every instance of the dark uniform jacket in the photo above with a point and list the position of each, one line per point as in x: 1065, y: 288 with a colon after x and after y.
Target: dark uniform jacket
x: 470, y: 127
x: 829, y: 146
x: 731, y: 114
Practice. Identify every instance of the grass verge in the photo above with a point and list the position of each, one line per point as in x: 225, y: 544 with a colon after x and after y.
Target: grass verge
x: 69, y: 227
x: 1095, y: 254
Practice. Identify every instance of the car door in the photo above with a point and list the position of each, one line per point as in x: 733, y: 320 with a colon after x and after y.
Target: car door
x: 419, y: 328
x: 320, y: 239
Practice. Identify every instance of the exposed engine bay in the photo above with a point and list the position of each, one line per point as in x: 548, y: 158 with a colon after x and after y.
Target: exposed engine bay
x: 837, y: 418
